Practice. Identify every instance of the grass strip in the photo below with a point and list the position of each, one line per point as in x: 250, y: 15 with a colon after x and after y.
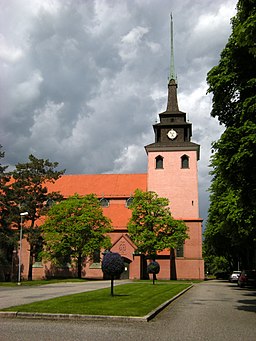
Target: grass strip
x: 134, y: 299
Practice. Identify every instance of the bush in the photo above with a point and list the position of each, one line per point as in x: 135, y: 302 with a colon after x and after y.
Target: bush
x: 112, y: 264
x: 153, y: 268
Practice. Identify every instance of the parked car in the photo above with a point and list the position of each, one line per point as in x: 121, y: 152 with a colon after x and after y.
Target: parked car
x: 233, y: 278
x: 247, y: 278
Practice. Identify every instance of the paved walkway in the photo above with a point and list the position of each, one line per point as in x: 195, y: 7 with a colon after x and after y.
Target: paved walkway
x: 10, y: 296
x: 210, y: 311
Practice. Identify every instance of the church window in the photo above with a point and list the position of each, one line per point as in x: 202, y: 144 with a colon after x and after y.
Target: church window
x: 180, y: 250
x: 129, y: 201
x: 96, y: 256
x: 184, y: 161
x: 104, y: 202
x: 159, y: 162
x: 38, y: 248
x: 95, y: 260
x: 37, y: 253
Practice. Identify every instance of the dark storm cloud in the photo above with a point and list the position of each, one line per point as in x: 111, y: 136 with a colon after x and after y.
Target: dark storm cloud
x: 83, y: 81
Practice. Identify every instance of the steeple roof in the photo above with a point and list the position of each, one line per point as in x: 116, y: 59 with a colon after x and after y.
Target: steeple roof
x: 172, y: 103
x: 172, y: 75
x: 172, y: 120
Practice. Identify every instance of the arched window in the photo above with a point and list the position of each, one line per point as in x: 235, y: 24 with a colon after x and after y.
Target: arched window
x: 184, y: 161
x: 104, y: 202
x: 159, y: 162
x: 96, y: 256
x: 129, y: 201
x: 180, y: 250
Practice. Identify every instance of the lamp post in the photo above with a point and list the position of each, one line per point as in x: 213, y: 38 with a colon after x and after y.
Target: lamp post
x: 21, y: 222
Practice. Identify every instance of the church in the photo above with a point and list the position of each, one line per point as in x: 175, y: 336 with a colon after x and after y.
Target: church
x: 171, y: 173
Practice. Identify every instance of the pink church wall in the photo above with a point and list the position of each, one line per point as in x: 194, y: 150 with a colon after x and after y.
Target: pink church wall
x: 180, y: 186
x: 24, y: 258
x: 190, y: 269
x: 185, y: 268
x: 135, y: 268
x: 193, y: 245
x: 190, y: 266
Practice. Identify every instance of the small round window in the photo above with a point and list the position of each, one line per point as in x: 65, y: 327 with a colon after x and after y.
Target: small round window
x: 104, y: 202
x: 129, y: 201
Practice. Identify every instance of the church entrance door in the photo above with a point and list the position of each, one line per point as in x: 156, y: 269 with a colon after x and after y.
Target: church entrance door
x: 125, y: 274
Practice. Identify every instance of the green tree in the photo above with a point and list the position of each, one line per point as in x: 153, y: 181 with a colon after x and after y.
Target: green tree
x: 74, y: 229
x: 8, y: 240
x: 30, y: 193
x: 152, y: 227
x: 231, y: 226
x: 233, y: 80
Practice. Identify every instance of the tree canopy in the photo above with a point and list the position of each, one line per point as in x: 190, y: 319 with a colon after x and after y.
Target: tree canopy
x: 233, y: 80
x: 30, y: 185
x: 231, y: 226
x: 28, y: 192
x: 74, y: 229
x: 152, y: 227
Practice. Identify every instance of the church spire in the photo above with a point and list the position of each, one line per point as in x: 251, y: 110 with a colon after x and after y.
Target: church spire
x: 172, y: 103
x: 172, y: 69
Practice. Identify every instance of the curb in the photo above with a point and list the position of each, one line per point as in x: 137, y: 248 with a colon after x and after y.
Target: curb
x: 156, y: 311
x: 146, y: 318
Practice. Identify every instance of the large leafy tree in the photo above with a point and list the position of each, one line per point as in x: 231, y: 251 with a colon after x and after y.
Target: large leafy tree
x: 30, y: 193
x: 152, y: 227
x: 233, y: 80
x: 231, y: 227
x: 7, y: 236
x: 74, y: 229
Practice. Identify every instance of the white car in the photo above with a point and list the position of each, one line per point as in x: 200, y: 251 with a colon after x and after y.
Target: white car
x: 234, y: 276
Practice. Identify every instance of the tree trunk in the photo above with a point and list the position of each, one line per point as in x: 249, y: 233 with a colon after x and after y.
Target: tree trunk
x: 143, y: 272
x: 112, y: 285
x: 173, y: 274
x: 79, y: 266
x: 30, y: 265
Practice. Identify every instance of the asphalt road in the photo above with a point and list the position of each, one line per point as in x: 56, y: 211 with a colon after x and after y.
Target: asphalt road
x: 213, y: 310
x: 10, y: 296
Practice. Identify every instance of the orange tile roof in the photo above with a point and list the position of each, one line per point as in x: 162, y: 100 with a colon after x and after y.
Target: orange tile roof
x: 119, y: 214
x: 104, y: 185
x: 107, y: 185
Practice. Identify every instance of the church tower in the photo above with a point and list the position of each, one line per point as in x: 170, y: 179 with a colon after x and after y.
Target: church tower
x: 172, y: 173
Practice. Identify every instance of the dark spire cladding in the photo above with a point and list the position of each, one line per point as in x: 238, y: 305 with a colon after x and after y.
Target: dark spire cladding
x: 173, y: 132
x: 172, y: 103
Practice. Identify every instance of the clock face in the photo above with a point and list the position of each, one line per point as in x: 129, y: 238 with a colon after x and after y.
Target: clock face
x: 172, y: 134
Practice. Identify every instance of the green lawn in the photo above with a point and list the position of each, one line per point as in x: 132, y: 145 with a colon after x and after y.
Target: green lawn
x: 134, y: 299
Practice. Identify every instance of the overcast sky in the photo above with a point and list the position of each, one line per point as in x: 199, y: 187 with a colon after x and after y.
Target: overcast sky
x: 83, y: 81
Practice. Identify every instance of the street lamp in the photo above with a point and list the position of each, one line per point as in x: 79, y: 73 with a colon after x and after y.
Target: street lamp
x: 21, y: 222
